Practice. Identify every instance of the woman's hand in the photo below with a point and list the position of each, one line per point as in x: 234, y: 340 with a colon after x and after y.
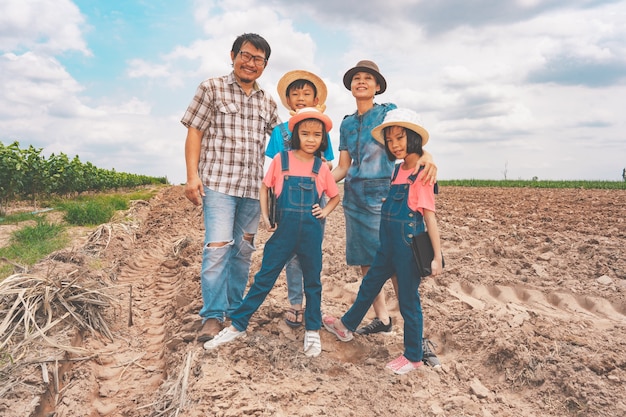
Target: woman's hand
x: 430, y: 169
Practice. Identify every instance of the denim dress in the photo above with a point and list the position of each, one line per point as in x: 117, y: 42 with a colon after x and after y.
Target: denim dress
x: 298, y: 233
x: 394, y: 256
x: 366, y: 183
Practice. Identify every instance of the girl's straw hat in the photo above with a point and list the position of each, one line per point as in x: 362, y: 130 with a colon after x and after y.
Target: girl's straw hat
x: 310, y: 113
x: 292, y: 76
x: 365, y: 66
x: 400, y: 117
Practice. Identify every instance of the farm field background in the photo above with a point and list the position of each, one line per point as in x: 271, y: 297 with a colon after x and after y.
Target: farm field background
x: 528, y: 319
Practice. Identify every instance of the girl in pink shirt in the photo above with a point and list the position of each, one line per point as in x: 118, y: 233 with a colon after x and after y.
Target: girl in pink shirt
x: 408, y: 209
x: 299, y: 179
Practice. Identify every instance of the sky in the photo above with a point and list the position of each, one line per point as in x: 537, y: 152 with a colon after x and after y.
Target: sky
x: 516, y: 89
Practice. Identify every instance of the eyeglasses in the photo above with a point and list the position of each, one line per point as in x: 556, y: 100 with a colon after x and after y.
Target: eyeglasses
x: 259, y: 61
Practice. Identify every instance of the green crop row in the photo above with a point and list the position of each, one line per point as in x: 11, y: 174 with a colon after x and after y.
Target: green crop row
x: 604, y: 185
x: 26, y: 173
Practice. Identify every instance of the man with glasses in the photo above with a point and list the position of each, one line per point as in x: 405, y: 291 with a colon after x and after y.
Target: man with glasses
x: 227, y: 123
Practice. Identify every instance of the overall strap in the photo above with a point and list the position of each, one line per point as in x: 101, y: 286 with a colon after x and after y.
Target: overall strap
x: 286, y: 136
x: 284, y: 160
x: 317, y: 165
x: 396, y: 169
x: 412, y: 179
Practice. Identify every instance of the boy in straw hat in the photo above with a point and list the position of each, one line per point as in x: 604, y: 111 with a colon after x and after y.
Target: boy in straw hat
x: 297, y: 89
x: 408, y: 210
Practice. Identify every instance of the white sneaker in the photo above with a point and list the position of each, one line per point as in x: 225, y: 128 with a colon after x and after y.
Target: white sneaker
x: 312, y: 343
x: 225, y: 336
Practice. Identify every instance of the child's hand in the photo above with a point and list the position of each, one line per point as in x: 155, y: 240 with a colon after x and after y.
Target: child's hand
x: 318, y: 212
x: 436, y: 268
x: 268, y: 225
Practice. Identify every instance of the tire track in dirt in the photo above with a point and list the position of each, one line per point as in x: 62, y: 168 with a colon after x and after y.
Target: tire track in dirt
x: 130, y: 370
x: 134, y: 363
x: 521, y: 300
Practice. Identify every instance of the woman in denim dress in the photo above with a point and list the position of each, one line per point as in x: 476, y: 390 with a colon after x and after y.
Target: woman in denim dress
x: 366, y: 169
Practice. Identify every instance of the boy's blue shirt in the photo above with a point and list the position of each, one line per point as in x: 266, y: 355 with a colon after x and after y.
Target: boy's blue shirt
x: 276, y: 143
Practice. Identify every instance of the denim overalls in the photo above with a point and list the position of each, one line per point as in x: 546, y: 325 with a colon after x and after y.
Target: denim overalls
x: 298, y: 233
x: 394, y: 256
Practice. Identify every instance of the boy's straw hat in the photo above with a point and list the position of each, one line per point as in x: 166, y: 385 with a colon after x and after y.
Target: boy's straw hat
x: 310, y: 113
x: 365, y: 66
x: 292, y: 76
x: 400, y: 117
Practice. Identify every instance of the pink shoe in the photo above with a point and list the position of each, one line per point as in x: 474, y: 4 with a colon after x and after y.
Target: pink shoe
x: 402, y: 365
x: 329, y: 324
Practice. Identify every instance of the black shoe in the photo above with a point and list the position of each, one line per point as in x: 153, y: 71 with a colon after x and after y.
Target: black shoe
x: 376, y: 326
x: 430, y: 358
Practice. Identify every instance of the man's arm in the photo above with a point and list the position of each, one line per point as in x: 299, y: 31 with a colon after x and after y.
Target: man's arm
x: 194, y: 189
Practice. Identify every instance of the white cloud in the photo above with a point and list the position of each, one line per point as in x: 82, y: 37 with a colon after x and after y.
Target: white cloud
x: 53, y: 26
x: 531, y: 84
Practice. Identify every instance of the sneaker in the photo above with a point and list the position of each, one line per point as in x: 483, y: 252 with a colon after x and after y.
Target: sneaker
x: 402, y: 365
x: 329, y: 324
x: 376, y: 326
x: 312, y: 343
x: 430, y: 358
x: 225, y: 336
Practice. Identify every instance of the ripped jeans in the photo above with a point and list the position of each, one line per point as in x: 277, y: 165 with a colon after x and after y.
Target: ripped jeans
x: 225, y: 269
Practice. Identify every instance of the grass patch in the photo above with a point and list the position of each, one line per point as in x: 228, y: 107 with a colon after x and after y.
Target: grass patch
x: 88, y: 213
x: 93, y: 210
x: 17, y: 218
x: 32, y: 243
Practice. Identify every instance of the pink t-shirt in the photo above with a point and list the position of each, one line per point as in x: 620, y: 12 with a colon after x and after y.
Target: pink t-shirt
x: 324, y: 181
x: 420, y: 196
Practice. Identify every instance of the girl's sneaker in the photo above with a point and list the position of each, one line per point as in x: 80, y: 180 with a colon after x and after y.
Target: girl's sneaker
x: 225, y: 336
x: 329, y: 324
x: 312, y: 343
x: 402, y: 365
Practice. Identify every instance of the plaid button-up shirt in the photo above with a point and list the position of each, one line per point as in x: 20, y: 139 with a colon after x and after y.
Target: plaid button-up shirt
x: 235, y: 127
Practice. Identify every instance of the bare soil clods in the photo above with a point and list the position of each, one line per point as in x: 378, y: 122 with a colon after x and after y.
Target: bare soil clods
x: 529, y: 319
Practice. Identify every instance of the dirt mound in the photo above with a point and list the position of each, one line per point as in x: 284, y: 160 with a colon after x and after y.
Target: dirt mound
x: 529, y: 319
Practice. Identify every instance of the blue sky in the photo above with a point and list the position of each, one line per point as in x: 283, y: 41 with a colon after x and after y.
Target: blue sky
x: 521, y: 89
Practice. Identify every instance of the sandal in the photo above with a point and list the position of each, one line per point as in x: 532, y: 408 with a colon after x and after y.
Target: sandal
x: 297, y: 321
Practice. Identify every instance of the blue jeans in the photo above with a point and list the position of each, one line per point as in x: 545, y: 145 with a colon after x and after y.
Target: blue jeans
x: 225, y: 269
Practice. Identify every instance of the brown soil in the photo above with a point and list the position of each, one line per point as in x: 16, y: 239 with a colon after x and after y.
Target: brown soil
x: 529, y: 318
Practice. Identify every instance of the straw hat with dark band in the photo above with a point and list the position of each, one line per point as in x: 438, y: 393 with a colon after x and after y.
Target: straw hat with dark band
x: 365, y: 66
x: 292, y: 76
x: 406, y: 118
